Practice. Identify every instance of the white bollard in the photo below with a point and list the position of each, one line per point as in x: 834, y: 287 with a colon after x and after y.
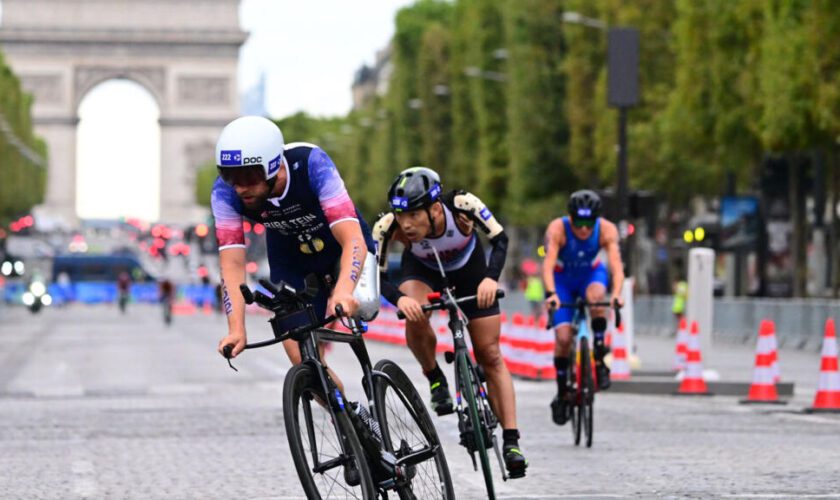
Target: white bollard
x: 627, y: 319
x: 700, y: 306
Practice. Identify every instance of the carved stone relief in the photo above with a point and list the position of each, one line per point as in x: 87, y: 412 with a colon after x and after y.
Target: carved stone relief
x: 45, y: 88
x: 203, y: 90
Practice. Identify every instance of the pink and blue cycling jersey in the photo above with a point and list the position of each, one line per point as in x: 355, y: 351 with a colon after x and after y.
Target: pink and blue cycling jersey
x: 298, y: 221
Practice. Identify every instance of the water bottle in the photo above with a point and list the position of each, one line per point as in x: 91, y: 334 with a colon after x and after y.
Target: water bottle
x: 365, y: 416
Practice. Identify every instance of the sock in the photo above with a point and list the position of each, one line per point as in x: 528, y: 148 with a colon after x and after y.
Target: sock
x: 435, y: 375
x: 510, y: 438
x: 562, y: 365
x: 599, y: 326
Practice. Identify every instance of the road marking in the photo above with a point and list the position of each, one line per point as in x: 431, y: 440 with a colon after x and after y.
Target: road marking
x: 570, y: 495
x: 781, y: 495
x: 84, y: 484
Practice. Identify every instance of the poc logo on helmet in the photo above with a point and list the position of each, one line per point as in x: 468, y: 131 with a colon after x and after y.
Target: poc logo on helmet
x: 253, y: 160
x: 584, y: 212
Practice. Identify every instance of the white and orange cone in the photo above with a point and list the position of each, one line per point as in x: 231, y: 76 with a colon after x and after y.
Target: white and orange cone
x: 763, y: 387
x: 827, y: 398
x: 681, y: 350
x: 620, y: 366
x: 774, y: 355
x: 692, y: 382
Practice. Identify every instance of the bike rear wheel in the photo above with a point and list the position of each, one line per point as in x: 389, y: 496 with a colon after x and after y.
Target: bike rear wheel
x: 469, y: 387
x: 321, y: 461
x: 407, y: 428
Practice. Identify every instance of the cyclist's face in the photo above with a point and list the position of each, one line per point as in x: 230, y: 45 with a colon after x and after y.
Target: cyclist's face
x: 582, y: 229
x: 415, y: 224
x: 249, y: 183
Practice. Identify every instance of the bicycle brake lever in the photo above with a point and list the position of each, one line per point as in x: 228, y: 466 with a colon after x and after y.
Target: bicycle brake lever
x: 227, y: 352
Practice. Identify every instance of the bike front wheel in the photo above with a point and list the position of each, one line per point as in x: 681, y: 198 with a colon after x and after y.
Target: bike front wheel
x: 407, y: 429
x: 588, y: 392
x: 469, y: 390
x: 329, y: 459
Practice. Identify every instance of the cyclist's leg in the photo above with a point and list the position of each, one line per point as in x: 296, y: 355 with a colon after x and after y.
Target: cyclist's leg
x: 562, y: 322
x: 485, y: 330
x: 419, y: 335
x: 417, y: 282
x: 596, y: 291
x: 293, y: 272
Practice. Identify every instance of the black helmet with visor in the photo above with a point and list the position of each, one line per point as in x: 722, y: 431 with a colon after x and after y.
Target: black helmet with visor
x: 584, y: 208
x: 413, y: 189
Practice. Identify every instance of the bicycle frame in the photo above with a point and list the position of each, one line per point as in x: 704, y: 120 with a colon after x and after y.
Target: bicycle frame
x: 582, y: 334
x: 308, y: 337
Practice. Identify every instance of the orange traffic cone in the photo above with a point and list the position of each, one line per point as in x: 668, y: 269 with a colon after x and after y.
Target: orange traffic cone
x: 620, y: 368
x: 774, y: 354
x: 828, y: 389
x: 681, y: 350
x: 763, y: 388
x: 692, y: 382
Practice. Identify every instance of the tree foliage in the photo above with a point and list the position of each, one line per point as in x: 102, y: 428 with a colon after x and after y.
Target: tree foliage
x: 507, y: 100
x: 23, y: 181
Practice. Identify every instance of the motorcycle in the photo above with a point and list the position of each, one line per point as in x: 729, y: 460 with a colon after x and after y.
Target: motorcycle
x: 36, y: 297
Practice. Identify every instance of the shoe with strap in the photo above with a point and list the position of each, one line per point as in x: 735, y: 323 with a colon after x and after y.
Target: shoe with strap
x: 560, y: 409
x: 441, y: 400
x: 515, y: 461
x: 602, y: 374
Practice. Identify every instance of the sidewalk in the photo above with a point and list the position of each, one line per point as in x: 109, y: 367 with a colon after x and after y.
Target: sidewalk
x: 734, y: 362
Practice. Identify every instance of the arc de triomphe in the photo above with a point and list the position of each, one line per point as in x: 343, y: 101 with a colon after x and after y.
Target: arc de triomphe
x: 184, y: 52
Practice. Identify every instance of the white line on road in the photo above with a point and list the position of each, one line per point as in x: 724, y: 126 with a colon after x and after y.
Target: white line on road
x: 780, y: 495
x: 575, y: 495
x: 84, y: 484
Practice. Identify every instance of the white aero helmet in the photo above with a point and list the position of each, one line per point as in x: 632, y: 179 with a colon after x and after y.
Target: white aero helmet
x: 251, y: 141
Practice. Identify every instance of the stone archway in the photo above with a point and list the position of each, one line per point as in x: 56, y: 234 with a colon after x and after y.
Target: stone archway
x: 185, y: 52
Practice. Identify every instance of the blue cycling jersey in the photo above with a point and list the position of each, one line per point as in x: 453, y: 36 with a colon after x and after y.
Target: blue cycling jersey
x: 578, y: 257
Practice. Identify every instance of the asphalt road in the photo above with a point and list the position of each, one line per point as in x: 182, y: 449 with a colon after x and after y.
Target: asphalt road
x: 98, y: 405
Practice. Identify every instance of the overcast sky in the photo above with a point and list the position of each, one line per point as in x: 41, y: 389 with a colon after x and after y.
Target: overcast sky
x: 310, y: 49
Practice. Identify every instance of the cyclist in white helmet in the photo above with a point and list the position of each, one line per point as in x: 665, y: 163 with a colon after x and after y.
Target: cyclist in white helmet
x: 296, y: 192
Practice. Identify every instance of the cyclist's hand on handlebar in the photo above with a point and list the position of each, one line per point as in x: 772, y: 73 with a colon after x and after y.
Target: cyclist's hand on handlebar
x: 349, y: 304
x: 553, y: 301
x: 486, y: 293
x: 616, y: 300
x: 237, y: 340
x: 411, y: 308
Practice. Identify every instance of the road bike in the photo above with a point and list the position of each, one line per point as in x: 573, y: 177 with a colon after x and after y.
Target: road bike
x: 581, y: 386
x: 476, y: 421
x: 339, y: 448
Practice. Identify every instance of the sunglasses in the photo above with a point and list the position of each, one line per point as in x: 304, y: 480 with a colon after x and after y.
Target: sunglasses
x: 242, y: 176
x: 590, y: 223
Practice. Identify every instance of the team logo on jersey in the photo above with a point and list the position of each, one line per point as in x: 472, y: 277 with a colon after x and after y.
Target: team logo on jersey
x: 313, y: 245
x: 485, y: 213
x: 231, y: 158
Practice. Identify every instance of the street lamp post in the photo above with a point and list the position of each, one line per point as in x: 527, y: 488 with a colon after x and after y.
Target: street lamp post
x: 623, y: 93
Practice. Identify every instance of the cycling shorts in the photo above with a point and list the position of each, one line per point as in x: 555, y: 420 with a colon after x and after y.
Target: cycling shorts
x: 571, y: 286
x: 465, y: 279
